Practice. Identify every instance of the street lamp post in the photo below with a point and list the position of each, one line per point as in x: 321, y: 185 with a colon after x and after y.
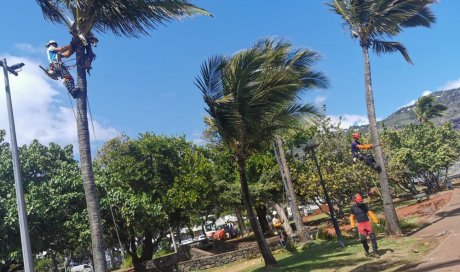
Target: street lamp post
x: 311, y: 147
x: 23, y: 225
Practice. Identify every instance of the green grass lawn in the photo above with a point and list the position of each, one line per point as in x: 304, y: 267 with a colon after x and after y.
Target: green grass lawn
x: 399, y: 253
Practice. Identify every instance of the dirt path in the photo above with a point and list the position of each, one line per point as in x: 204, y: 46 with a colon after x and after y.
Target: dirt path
x: 445, y: 222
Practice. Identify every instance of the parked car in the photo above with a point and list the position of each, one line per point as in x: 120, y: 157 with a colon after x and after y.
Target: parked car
x: 82, y: 268
x: 200, y: 238
x: 219, y: 234
x: 187, y: 241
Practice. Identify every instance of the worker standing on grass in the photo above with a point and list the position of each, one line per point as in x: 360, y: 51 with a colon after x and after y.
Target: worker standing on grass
x: 361, y: 213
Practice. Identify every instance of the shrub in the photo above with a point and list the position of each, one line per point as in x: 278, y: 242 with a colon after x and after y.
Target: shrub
x: 127, y: 262
x: 290, y: 246
x: 44, y: 265
x: 409, y: 223
x: 323, y: 234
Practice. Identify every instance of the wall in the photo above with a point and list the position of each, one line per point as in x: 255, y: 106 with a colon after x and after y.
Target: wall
x: 170, y: 263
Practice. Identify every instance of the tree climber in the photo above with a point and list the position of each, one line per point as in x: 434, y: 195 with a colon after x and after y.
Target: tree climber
x: 357, y: 152
x: 361, y: 213
x: 57, y: 68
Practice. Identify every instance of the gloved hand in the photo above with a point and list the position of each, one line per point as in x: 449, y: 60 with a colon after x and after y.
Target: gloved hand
x: 378, y: 225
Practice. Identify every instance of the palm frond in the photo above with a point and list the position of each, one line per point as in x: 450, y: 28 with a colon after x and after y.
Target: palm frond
x: 370, y: 20
x: 121, y: 17
x: 424, y: 17
x: 427, y: 107
x: 385, y: 47
x: 260, y: 87
x: 210, y: 82
x: 53, y: 11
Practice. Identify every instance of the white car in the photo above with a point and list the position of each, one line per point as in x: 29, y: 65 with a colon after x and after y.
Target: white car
x: 82, y: 268
x: 187, y: 241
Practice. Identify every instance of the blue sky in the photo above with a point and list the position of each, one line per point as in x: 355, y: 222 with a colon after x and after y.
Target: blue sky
x: 146, y: 84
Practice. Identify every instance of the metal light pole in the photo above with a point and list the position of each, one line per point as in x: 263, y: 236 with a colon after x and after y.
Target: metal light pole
x: 23, y: 225
x: 301, y: 152
x: 311, y: 147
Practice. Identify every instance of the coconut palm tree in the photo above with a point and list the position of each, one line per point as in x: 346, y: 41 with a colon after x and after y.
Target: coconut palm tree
x: 122, y: 18
x: 251, y: 97
x: 371, y: 22
x: 427, y: 107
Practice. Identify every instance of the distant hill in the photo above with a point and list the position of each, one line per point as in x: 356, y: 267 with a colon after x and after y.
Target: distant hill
x: 406, y: 115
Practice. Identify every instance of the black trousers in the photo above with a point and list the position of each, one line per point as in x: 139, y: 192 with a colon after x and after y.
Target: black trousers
x: 61, y: 71
x: 373, y: 242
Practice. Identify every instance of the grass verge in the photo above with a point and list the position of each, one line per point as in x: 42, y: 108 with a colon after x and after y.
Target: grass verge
x: 319, y: 255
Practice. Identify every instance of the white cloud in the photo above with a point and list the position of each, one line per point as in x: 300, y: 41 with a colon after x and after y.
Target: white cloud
x: 39, y: 112
x: 427, y: 92
x: 28, y: 48
x: 412, y: 102
x: 197, y: 138
x: 319, y: 100
x: 348, y: 120
x: 449, y: 85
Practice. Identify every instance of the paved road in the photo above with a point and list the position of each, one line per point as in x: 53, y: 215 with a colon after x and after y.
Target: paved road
x: 445, y: 257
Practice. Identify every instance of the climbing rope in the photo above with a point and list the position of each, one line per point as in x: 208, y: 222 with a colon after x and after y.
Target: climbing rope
x: 71, y: 104
x: 92, y: 123
x: 81, y: 117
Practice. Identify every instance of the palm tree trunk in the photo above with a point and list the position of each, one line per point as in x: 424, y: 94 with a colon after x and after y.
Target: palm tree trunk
x: 290, y: 188
x: 89, y: 186
x: 391, y: 219
x: 270, y: 261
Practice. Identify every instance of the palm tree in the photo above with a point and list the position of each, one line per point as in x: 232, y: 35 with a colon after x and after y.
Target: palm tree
x: 123, y: 18
x: 427, y: 107
x: 251, y: 97
x: 371, y: 22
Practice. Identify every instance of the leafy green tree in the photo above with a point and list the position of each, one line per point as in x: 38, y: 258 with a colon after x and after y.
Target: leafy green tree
x: 420, y: 152
x: 55, y: 203
x: 371, y: 23
x: 250, y: 97
x: 265, y: 184
x: 342, y: 176
x: 196, y: 191
x: 122, y: 18
x: 136, y: 174
x: 427, y: 107
x: 151, y: 184
x: 226, y: 175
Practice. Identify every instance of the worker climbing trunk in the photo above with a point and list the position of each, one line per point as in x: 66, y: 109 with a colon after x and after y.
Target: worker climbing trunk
x: 57, y: 68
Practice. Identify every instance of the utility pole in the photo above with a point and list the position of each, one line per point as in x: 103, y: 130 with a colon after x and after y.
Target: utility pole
x: 23, y: 224
x: 311, y: 146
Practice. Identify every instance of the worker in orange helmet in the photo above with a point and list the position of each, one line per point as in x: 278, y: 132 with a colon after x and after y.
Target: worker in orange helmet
x: 357, y: 149
x: 361, y: 214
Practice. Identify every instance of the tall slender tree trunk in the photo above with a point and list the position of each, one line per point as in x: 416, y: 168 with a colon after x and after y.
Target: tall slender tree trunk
x: 89, y: 186
x: 241, y: 224
x: 301, y: 232
x: 147, y: 246
x: 270, y: 261
x: 391, y: 219
x: 280, y: 210
x: 261, y: 212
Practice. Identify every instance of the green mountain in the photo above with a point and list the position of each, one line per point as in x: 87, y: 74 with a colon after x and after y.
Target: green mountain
x: 406, y: 115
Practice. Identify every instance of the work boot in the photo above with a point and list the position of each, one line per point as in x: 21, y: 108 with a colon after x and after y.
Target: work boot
x: 376, y: 255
